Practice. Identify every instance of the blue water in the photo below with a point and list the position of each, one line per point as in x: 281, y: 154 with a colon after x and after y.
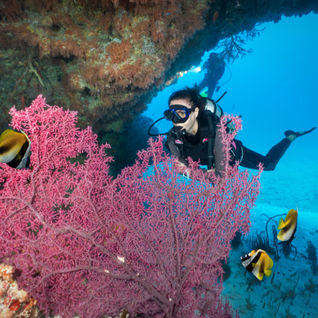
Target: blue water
x: 274, y: 88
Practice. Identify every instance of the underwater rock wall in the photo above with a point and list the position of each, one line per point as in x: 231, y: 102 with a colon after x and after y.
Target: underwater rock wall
x: 106, y: 58
x: 92, y: 56
x: 15, y: 302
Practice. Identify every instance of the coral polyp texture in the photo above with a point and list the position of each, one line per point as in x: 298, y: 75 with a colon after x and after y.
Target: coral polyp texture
x: 97, y: 55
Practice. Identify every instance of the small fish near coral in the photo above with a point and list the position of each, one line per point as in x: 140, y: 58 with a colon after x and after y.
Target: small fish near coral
x: 258, y: 263
x: 288, y: 226
x: 15, y: 148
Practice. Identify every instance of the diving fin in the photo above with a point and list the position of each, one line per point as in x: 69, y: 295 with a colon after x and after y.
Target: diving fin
x: 287, y: 133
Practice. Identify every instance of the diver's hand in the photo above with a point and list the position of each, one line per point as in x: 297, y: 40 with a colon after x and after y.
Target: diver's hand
x: 183, y: 169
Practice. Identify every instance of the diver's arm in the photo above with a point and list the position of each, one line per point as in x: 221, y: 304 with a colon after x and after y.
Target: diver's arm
x: 182, y: 164
x: 174, y: 150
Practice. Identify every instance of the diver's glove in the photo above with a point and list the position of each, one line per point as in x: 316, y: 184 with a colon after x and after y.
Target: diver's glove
x: 292, y: 135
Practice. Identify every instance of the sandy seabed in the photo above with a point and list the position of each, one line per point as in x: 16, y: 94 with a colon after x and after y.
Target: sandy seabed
x: 292, y: 288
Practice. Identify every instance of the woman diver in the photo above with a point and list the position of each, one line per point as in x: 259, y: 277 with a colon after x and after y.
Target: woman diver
x: 195, y: 134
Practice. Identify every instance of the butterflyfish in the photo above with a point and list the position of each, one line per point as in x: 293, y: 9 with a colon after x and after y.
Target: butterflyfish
x: 15, y: 148
x: 258, y: 263
x: 288, y: 226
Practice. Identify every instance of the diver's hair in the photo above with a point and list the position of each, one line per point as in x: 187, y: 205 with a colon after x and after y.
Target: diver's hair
x: 192, y: 95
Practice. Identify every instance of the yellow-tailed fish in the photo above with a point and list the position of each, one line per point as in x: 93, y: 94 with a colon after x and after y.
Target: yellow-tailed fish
x: 258, y: 263
x: 288, y: 226
x: 14, y: 148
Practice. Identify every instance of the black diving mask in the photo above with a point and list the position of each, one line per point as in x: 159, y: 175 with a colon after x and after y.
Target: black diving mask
x: 178, y: 114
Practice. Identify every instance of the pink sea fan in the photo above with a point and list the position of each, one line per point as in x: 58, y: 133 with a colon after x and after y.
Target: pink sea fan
x: 148, y: 241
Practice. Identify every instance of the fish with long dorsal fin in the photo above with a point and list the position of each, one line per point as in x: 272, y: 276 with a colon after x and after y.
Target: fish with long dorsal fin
x: 288, y: 226
x: 258, y: 263
x: 14, y: 148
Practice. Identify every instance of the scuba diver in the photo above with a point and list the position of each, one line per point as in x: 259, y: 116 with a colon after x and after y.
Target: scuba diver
x: 215, y: 67
x: 195, y: 134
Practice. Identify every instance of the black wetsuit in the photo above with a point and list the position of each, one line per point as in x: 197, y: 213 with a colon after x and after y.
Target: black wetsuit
x: 251, y: 159
x: 182, y: 146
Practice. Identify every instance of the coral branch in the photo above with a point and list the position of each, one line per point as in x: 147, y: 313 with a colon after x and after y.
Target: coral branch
x: 150, y: 241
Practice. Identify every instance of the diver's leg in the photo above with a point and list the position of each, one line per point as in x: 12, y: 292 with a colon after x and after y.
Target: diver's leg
x: 275, y: 153
x: 252, y: 159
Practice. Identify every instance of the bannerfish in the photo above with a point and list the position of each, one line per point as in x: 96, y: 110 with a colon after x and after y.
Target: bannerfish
x: 258, y: 263
x: 15, y: 148
x: 288, y: 226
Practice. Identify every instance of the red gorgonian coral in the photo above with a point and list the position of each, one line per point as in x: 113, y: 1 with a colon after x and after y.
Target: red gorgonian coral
x: 148, y: 241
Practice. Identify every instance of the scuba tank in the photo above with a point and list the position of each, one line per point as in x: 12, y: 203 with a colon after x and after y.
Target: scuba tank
x: 212, y: 107
x: 213, y: 113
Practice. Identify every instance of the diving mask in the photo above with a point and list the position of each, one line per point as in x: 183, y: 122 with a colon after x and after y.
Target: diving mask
x: 178, y: 114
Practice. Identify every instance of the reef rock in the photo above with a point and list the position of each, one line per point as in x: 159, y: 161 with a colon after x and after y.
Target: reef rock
x: 107, y: 58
